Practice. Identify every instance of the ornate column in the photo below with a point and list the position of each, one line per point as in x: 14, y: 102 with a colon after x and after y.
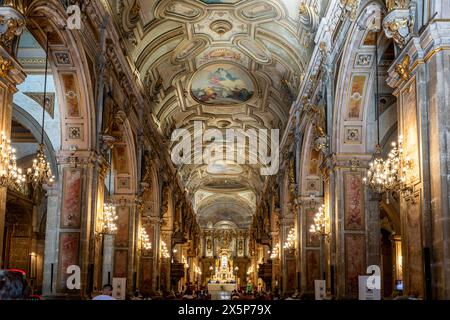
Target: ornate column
x: 351, y: 223
x: 11, y: 75
x: 420, y: 78
x: 124, y: 242
x: 69, y: 223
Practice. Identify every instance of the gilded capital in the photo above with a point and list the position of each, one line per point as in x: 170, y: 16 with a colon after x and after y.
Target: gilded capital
x: 12, y: 24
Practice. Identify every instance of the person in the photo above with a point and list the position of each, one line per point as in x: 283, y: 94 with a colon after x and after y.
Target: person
x: 106, y: 293
x: 13, y: 286
x: 188, y: 294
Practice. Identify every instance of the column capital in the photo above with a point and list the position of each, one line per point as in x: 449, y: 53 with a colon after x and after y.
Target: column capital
x: 12, y: 24
x: 76, y: 158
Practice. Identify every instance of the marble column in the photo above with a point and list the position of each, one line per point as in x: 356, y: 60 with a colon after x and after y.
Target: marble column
x: 11, y: 75
x: 353, y: 226
x: 68, y: 229
x: 125, y: 241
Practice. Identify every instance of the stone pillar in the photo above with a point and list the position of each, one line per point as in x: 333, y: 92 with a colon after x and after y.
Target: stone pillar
x: 69, y: 223
x: 124, y: 243
x: 108, y: 261
x: 309, y: 246
x: 288, y: 263
x: 11, y: 75
x: 351, y: 224
x: 420, y: 78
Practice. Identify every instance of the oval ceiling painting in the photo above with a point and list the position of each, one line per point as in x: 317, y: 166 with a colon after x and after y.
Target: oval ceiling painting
x: 222, y: 84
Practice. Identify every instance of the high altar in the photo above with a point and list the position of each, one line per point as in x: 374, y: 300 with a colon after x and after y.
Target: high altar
x: 223, y: 269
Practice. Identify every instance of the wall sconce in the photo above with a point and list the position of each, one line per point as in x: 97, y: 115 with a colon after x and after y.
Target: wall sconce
x: 164, y: 252
x: 290, y: 241
x: 321, y: 223
x: 146, y: 244
x: 275, y: 251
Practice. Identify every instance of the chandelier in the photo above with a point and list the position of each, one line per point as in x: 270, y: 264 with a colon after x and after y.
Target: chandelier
x: 40, y: 173
x: 275, y: 251
x: 109, y: 219
x: 10, y: 175
x: 145, y: 240
x: 376, y: 174
x: 320, y: 225
x: 290, y: 241
x: 164, y: 252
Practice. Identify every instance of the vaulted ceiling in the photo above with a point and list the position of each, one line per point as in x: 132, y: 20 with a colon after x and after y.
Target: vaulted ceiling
x: 228, y: 63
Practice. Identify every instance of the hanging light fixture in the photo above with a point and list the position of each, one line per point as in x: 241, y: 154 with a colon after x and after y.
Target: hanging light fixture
x: 109, y: 209
x: 41, y: 173
x: 10, y: 175
x: 390, y: 174
x: 320, y: 225
x: 376, y: 176
x: 109, y: 219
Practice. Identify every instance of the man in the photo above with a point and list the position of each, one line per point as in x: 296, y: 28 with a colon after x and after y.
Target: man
x: 106, y: 293
x: 13, y: 286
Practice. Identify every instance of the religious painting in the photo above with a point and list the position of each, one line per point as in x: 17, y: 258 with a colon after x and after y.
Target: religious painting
x: 222, y: 84
x: 356, y: 96
x: 369, y: 40
x: 414, y: 259
x: 410, y: 130
x: 121, y: 239
x: 354, y: 262
x: 71, y: 201
x: 71, y: 95
x: 120, y: 263
x: 120, y: 159
x: 314, y: 162
x: 312, y: 268
x: 69, y: 243
x: 354, y: 201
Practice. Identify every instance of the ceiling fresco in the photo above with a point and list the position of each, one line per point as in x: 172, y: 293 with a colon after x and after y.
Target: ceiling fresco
x: 228, y: 63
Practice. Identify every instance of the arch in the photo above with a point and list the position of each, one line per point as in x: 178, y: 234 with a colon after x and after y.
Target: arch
x: 24, y: 118
x: 354, y: 119
x: 71, y: 69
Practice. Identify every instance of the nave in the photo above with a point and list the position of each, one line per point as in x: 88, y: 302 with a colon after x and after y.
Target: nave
x: 225, y: 149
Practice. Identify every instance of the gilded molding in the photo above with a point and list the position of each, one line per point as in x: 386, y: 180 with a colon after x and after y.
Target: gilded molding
x: 5, y: 67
